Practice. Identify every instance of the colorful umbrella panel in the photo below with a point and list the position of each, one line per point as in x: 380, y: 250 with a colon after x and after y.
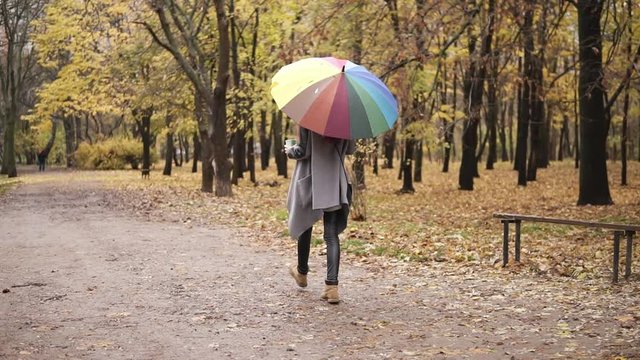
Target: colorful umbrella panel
x: 334, y: 98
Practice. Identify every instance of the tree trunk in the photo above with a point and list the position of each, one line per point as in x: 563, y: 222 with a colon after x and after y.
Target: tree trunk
x: 218, y: 107
x: 539, y: 100
x: 177, y: 152
x: 206, y: 147
x: 612, y: 152
x: 504, y: 155
x: 17, y: 50
x: 187, y: 147
x: 169, y: 149
x: 265, y: 141
x: 576, y: 126
x: 407, y: 178
x: 145, y: 130
x: 276, y: 131
x: 473, y: 86
x: 237, y: 141
x: 69, y: 137
x: 448, y: 142
x: 625, y: 111
x: 594, y: 183
x: 417, y: 171
x: 525, y: 108
x: 86, y: 130
x: 374, y: 156
x: 623, y: 140
x: 388, y: 146
x: 358, y: 164
x: 9, y: 154
x: 195, y: 66
x: 52, y: 138
x: 197, y: 152
x: 78, y: 127
x: 492, y: 110
x: 563, y: 137
x: 536, y: 118
x: 251, y: 156
x: 207, y: 162
x: 238, y: 125
x: 449, y: 130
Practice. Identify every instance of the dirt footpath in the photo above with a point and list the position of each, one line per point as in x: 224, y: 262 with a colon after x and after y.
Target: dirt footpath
x: 82, y: 280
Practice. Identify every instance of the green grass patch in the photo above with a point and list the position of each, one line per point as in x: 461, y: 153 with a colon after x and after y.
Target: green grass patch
x: 281, y: 214
x: 7, y: 184
x: 538, y: 228
x: 316, y: 242
x: 380, y: 250
x: 617, y: 219
x: 355, y: 246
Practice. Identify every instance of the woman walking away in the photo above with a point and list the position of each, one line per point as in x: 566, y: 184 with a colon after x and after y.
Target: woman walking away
x: 319, y: 189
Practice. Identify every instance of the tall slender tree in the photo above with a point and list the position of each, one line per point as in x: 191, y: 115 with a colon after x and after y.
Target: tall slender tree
x: 594, y: 181
x: 625, y: 110
x: 16, y: 19
x: 180, y: 37
x: 473, y: 89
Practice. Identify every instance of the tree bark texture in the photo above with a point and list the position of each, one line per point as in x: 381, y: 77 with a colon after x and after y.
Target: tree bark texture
x: 196, y: 66
x: 265, y: 141
x: 594, y: 182
x: 68, y: 123
x: 197, y: 150
x: 625, y: 111
x: 169, y: 148
x: 277, y: 133
x: 525, y: 107
x: 473, y: 88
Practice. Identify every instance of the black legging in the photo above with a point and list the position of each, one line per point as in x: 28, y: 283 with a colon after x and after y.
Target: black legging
x: 330, y: 220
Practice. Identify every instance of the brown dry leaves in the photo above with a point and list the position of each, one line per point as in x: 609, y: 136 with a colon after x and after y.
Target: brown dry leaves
x: 438, y: 223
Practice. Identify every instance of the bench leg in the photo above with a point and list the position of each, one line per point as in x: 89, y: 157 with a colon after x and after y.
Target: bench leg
x: 616, y: 254
x: 518, y: 240
x: 505, y: 243
x: 627, y: 264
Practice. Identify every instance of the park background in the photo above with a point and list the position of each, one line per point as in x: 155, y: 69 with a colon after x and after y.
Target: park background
x: 528, y: 107
x: 505, y: 106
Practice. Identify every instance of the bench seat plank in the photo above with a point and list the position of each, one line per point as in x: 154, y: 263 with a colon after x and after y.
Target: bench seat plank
x: 603, y: 225
x: 620, y: 230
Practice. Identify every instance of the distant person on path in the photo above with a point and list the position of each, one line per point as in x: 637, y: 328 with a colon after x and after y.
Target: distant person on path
x: 42, y: 159
x: 319, y: 189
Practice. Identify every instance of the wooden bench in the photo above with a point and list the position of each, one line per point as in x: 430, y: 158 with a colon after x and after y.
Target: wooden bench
x: 619, y: 230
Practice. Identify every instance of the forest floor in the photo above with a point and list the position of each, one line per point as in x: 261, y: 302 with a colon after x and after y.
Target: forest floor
x: 103, y: 265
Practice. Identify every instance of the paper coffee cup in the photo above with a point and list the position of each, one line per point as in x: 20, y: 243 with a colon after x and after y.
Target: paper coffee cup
x: 290, y: 142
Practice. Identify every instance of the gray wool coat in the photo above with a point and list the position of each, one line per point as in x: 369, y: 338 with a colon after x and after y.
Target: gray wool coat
x: 319, y: 181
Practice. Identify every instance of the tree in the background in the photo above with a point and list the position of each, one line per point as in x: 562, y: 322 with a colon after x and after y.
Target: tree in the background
x: 525, y: 94
x: 83, y: 85
x: 16, y: 19
x: 180, y: 35
x: 594, y: 182
x: 627, y: 91
x: 473, y: 90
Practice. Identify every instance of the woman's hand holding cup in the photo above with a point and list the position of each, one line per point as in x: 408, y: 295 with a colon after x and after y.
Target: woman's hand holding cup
x: 288, y: 144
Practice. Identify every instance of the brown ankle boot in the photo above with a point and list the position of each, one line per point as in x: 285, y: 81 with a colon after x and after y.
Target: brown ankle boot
x: 301, y: 279
x: 330, y: 294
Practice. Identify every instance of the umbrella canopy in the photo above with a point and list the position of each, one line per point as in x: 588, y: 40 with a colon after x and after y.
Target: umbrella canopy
x: 334, y: 98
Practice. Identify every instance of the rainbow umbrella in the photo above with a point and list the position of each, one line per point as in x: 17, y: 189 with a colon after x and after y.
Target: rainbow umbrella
x: 334, y: 98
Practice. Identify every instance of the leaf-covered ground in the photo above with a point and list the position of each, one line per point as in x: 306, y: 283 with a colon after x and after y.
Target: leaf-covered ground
x: 438, y: 223
x: 421, y: 277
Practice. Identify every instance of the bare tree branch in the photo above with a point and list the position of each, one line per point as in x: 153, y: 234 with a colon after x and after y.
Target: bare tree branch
x: 441, y: 52
x: 625, y: 80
